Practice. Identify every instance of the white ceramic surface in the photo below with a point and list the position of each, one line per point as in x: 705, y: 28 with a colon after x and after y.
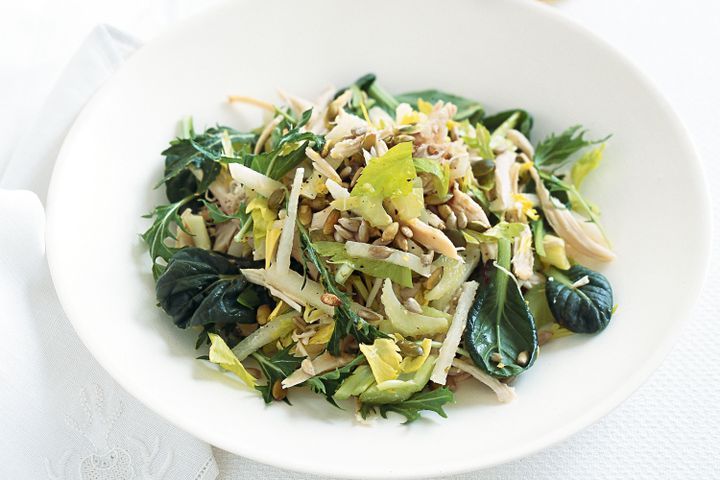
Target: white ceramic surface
x: 506, y: 53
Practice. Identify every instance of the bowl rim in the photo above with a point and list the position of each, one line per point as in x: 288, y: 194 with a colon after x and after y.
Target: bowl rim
x: 630, y: 384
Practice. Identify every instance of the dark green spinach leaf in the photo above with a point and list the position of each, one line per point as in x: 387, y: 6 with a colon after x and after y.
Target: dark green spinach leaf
x: 200, y: 287
x: 500, y: 323
x: 581, y: 306
x: 523, y: 124
x: 467, y: 109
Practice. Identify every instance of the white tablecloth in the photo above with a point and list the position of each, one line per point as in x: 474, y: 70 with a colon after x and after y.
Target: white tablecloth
x: 670, y: 428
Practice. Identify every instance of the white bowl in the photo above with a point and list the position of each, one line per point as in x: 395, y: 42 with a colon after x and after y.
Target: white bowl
x: 504, y: 53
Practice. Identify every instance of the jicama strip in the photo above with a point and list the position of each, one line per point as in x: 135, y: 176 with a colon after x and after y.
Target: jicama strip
x: 454, y: 334
x: 284, y: 249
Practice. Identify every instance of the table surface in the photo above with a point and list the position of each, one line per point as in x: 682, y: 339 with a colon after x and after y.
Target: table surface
x: 670, y: 428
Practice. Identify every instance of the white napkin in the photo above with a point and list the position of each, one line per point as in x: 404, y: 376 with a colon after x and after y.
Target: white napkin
x: 61, y: 415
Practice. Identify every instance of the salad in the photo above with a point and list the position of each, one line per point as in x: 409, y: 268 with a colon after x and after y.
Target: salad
x: 381, y: 248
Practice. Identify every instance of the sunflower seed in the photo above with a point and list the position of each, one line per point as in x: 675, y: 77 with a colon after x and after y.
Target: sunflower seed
x: 305, y: 215
x: 330, y: 222
x: 363, y: 234
x: 350, y: 224
x: 262, y: 314
x: 390, y: 231
x: 412, y: 305
x: 433, y: 279
x: 343, y: 233
x: 405, y: 230
x: 330, y: 299
x: 276, y: 199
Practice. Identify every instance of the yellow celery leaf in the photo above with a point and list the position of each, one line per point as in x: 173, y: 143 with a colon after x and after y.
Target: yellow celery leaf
x: 389, y: 175
x: 323, y: 334
x: 384, y: 359
x: 412, y: 364
x: 424, y: 107
x: 271, y: 241
x: 262, y: 217
x: 526, y: 205
x: 220, y: 354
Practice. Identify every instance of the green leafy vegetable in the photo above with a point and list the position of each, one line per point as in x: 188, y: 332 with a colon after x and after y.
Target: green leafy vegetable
x: 555, y: 151
x: 200, y: 287
x: 328, y: 383
x: 275, y: 369
x: 441, y: 173
x: 388, y: 176
x: 580, y: 299
x: 466, y: 109
x: 218, y: 216
x: 374, y: 268
x: 500, y: 325
x: 432, y: 400
x: 288, y: 148
x: 538, y: 229
x: 202, y: 153
x: 480, y: 142
x: 518, y: 119
x: 555, y: 184
x: 347, y: 322
x: 160, y: 232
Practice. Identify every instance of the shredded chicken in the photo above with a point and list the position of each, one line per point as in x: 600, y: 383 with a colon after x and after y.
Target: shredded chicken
x: 461, y: 201
x: 568, y: 227
x: 523, y: 257
x: 432, y: 238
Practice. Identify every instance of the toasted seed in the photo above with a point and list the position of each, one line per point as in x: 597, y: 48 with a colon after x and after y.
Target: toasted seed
x: 405, y: 230
x: 278, y: 392
x: 330, y: 222
x: 330, y: 299
x: 496, y: 357
x: 350, y: 224
x: 432, y: 150
x: 276, y: 199
x: 390, y: 232
x: 433, y: 279
x: 344, y: 233
x: 380, y: 252
x: 401, y: 242
x: 318, y: 203
x: 253, y: 371
x: 305, y: 215
x: 412, y: 305
x: 522, y: 358
x: 477, y: 226
x: 368, y: 314
x: 262, y: 314
x: 462, y: 220
x: 345, y: 172
x: 363, y: 234
x: 338, y: 238
x: 369, y: 141
x: 410, y: 349
x: 380, y: 242
x: 355, y: 177
x: 445, y: 211
x: 451, y: 221
x: 408, y: 292
x: 483, y: 167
